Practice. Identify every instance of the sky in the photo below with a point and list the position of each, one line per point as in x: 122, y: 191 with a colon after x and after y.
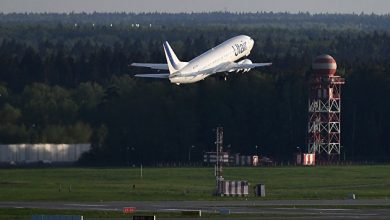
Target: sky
x: 293, y: 6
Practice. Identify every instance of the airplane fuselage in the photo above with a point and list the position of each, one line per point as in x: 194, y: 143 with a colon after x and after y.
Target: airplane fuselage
x: 203, y: 65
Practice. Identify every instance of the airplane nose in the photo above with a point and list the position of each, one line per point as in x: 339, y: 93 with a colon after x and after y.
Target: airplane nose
x: 251, y: 42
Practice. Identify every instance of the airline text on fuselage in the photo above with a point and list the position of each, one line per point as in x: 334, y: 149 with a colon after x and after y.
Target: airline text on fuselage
x: 239, y: 48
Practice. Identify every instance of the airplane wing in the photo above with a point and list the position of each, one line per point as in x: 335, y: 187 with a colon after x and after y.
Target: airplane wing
x: 239, y: 66
x: 157, y: 75
x: 232, y: 66
x: 157, y: 66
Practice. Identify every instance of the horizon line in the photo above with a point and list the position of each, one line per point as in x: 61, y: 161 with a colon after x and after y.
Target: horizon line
x: 200, y: 12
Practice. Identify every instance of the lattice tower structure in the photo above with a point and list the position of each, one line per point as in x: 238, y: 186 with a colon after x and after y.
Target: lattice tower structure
x: 324, y: 122
x: 219, y: 145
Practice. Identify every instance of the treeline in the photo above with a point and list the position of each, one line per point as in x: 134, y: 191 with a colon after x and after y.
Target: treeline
x: 65, y: 83
x: 303, y: 20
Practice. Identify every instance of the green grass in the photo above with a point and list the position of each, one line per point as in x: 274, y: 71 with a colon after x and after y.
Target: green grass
x: 19, y: 214
x: 12, y: 213
x: 324, y: 206
x: 94, y: 184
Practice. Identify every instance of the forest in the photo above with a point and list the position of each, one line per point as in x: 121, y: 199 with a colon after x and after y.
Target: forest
x: 65, y: 78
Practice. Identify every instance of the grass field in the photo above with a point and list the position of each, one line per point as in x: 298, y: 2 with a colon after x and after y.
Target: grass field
x: 114, y: 184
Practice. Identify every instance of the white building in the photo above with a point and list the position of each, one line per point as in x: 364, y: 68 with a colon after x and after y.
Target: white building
x: 30, y: 153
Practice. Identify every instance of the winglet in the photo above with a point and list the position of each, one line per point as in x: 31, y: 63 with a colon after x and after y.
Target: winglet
x: 174, y: 64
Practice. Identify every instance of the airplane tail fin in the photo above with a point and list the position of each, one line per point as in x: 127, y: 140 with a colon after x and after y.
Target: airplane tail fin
x: 174, y: 64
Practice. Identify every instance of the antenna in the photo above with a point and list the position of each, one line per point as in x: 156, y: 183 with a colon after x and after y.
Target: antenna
x: 219, y: 159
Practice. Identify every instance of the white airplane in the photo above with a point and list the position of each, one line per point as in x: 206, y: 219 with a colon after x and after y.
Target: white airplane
x: 218, y: 59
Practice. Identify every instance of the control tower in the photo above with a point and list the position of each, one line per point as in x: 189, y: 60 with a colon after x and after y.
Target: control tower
x: 324, y: 125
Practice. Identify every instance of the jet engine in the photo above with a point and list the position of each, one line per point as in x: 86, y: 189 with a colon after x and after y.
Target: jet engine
x: 246, y: 61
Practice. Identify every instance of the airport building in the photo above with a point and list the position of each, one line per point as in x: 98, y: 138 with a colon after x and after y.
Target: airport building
x: 235, y: 159
x: 44, y: 153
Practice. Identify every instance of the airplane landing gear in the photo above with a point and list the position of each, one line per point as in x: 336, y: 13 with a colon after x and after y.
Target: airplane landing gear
x: 224, y: 77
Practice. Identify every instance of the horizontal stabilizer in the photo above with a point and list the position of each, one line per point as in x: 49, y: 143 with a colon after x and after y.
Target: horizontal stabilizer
x: 157, y: 66
x: 157, y: 75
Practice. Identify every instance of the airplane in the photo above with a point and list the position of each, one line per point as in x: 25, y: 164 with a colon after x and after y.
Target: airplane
x: 218, y: 59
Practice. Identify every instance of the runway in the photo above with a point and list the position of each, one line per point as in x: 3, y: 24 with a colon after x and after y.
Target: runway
x: 268, y: 209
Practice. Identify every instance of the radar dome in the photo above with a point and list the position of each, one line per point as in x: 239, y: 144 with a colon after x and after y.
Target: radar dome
x: 324, y: 65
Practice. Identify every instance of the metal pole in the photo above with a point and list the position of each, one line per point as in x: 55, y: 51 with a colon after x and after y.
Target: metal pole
x: 141, y: 172
x: 189, y: 152
x: 219, y: 144
x: 127, y: 156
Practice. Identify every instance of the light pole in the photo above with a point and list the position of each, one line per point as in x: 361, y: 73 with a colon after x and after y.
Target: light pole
x: 257, y: 152
x: 131, y: 157
x: 128, y: 157
x: 229, y: 146
x: 189, y: 152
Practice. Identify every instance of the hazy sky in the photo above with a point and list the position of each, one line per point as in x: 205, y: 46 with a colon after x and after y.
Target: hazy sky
x: 312, y: 6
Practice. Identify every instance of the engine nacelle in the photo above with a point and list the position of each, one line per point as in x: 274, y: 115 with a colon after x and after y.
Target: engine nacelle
x: 246, y: 61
